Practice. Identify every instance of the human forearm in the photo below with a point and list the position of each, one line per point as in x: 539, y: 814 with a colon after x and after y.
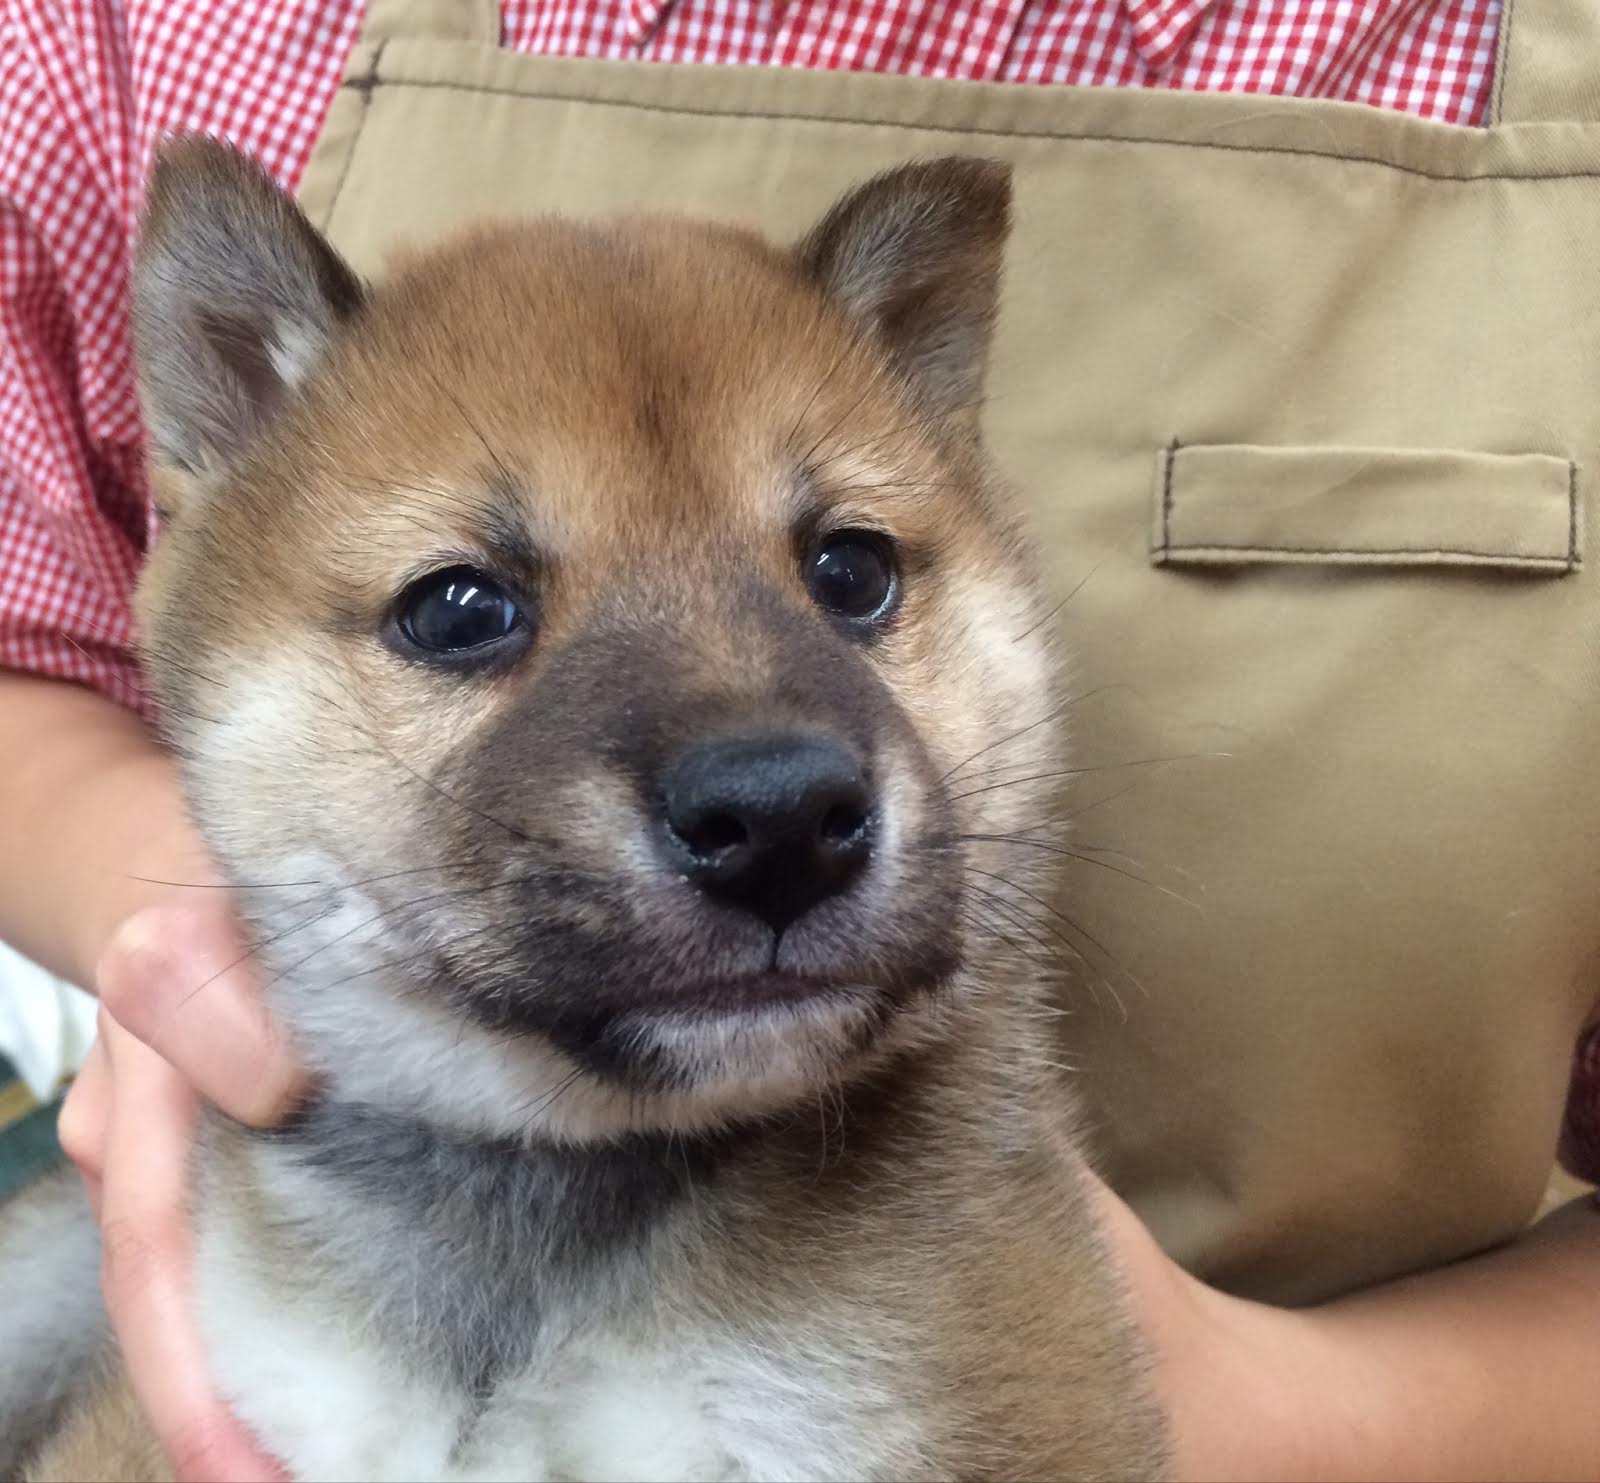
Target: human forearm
x: 1486, y: 1369
x: 91, y: 805
x: 1492, y: 1365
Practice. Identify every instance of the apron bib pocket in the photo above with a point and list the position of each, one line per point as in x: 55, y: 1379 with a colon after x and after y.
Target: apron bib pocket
x: 1237, y: 505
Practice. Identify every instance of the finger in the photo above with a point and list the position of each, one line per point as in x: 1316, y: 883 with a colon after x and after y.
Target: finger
x: 178, y: 978
x: 146, y: 1267
x: 81, y: 1125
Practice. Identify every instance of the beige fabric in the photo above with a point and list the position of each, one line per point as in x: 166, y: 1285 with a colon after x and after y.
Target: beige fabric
x: 439, y: 20
x: 1337, y: 898
x: 1234, y: 506
x: 1547, y: 65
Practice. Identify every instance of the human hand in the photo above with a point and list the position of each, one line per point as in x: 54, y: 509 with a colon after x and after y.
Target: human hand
x: 165, y: 1041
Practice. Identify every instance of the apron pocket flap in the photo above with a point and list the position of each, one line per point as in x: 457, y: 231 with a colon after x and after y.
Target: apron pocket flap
x: 1238, y: 505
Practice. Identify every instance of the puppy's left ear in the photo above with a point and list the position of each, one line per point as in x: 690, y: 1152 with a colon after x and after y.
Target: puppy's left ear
x: 235, y: 297
x: 915, y: 256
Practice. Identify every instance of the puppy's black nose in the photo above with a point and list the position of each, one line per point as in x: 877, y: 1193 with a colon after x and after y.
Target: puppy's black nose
x: 773, y: 824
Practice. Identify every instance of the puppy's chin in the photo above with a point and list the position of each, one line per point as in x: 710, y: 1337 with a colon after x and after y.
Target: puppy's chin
x: 749, y: 1048
x: 736, y: 1056
x: 682, y: 1071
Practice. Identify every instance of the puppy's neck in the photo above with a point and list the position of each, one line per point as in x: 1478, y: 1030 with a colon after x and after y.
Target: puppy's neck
x: 573, y: 1205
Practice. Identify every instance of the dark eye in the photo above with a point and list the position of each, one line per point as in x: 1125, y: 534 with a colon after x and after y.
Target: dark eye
x: 456, y: 609
x: 851, y: 573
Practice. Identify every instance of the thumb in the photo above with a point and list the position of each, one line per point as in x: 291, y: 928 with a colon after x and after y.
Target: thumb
x: 179, y: 977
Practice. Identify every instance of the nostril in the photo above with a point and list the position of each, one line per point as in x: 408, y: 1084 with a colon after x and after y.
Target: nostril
x: 712, y: 833
x: 843, y: 824
x: 772, y: 824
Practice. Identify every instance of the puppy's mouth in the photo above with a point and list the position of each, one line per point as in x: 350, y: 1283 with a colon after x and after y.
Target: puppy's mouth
x: 772, y: 996
x: 763, y: 1030
x: 680, y: 1033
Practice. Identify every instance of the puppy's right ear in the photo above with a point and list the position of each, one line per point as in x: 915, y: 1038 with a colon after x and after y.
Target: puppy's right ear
x: 235, y: 296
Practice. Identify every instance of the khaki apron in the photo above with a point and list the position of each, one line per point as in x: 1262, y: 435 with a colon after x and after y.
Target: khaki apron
x: 1304, y: 398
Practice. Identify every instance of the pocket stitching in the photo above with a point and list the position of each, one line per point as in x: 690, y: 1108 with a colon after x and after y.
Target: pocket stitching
x: 1571, y: 562
x: 1499, y: 558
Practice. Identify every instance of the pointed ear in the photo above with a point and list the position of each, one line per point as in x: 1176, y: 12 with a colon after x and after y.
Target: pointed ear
x: 915, y: 255
x: 235, y: 296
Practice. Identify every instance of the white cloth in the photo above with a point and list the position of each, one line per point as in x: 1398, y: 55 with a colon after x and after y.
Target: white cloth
x: 46, y: 1025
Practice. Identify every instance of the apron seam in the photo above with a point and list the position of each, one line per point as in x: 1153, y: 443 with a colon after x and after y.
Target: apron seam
x: 1503, y: 58
x: 1166, y: 496
x: 366, y: 85
x: 960, y: 130
x: 1572, y: 515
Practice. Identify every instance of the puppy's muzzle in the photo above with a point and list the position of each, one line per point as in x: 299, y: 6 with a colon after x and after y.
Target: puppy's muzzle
x: 772, y: 824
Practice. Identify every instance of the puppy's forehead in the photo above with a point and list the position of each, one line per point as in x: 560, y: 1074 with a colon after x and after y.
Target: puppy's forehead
x: 648, y: 339
x: 635, y: 373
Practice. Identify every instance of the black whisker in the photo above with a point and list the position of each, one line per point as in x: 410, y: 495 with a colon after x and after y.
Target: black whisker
x: 1053, y: 715
x: 1072, y: 854
x: 354, y: 885
x: 1020, y: 917
x: 428, y: 782
x: 1073, y: 772
x: 1069, y: 922
x: 920, y: 424
x: 466, y: 894
x: 548, y: 1100
x: 1034, y: 628
x: 326, y: 910
x: 1089, y: 808
x: 150, y: 880
x: 1039, y: 954
x: 164, y: 657
x: 993, y: 746
x: 438, y: 947
x: 816, y: 391
x: 833, y: 427
x: 511, y: 480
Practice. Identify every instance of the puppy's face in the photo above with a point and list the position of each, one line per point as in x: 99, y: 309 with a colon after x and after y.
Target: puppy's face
x: 590, y: 651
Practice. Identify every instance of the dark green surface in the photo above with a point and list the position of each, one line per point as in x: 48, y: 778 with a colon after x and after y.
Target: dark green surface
x: 28, y: 1145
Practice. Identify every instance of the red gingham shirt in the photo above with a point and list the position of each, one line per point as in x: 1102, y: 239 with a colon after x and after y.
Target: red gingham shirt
x: 88, y: 86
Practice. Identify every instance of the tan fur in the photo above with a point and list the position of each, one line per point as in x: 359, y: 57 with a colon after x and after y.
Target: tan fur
x: 655, y: 402
x: 106, y: 1440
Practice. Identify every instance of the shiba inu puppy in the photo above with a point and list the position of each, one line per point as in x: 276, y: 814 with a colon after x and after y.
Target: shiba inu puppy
x: 606, y: 666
